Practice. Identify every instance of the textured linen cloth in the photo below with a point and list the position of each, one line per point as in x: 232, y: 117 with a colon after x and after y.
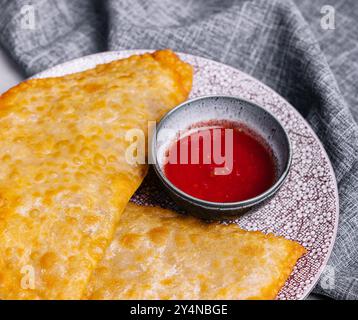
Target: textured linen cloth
x: 279, y: 42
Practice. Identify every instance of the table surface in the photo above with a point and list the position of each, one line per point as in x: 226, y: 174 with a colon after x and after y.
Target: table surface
x: 10, y: 75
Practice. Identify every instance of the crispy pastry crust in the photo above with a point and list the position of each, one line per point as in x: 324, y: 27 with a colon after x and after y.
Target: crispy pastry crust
x: 64, y: 180
x: 158, y: 254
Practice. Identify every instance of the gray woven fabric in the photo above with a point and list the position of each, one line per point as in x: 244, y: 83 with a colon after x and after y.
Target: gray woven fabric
x: 279, y: 42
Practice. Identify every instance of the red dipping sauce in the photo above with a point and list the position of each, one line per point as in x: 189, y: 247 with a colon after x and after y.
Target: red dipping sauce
x: 221, y: 162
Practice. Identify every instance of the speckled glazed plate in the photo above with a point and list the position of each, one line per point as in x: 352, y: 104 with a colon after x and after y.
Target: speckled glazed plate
x: 306, y: 207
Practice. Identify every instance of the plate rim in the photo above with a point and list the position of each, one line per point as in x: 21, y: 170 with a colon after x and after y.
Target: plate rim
x: 129, y: 52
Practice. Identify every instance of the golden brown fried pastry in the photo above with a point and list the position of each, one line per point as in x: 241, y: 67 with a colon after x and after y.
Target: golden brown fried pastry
x: 64, y: 180
x: 158, y: 254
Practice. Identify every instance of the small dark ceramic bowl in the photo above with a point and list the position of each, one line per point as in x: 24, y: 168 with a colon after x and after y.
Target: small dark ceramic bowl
x: 210, y: 108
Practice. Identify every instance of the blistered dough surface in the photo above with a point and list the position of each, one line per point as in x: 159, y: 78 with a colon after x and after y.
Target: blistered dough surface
x: 159, y: 254
x: 64, y: 180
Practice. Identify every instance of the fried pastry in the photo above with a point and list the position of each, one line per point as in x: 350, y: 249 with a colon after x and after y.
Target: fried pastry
x: 159, y: 254
x: 64, y: 179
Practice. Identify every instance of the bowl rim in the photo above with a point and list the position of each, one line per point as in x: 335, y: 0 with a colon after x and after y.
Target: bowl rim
x: 211, y: 204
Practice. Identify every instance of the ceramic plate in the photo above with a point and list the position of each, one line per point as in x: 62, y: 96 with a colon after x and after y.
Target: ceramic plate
x: 306, y: 207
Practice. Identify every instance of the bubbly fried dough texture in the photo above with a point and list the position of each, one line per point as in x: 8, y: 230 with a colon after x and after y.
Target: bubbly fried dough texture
x: 159, y: 254
x: 64, y: 179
